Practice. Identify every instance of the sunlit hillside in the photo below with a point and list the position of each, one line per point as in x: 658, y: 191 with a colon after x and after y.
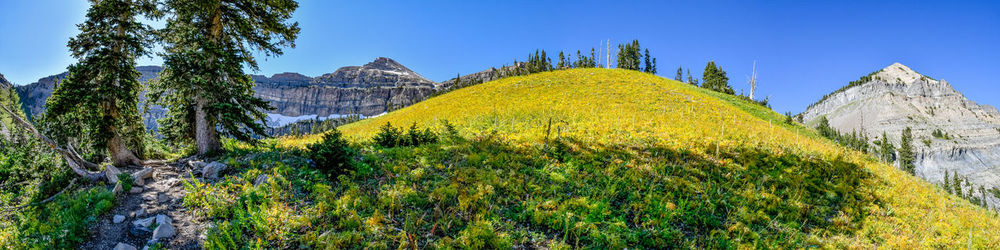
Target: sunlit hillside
x: 609, y: 158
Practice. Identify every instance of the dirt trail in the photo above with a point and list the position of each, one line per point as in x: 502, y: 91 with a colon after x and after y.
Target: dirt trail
x: 161, y: 194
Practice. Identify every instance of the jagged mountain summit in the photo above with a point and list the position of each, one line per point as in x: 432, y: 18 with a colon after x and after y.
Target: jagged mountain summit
x: 896, y: 97
x: 369, y: 90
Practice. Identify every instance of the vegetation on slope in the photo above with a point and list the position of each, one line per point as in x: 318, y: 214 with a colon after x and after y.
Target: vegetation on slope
x: 584, y: 157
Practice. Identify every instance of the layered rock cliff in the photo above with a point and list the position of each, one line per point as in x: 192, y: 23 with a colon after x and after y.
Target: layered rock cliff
x: 368, y: 90
x: 897, y: 97
x: 372, y: 89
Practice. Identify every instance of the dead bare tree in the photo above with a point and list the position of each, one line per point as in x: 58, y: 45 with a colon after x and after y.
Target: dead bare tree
x: 753, y: 80
x: 608, y: 64
x: 73, y: 159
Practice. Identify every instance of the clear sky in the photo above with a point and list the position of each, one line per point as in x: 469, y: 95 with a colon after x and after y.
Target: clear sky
x: 803, y: 49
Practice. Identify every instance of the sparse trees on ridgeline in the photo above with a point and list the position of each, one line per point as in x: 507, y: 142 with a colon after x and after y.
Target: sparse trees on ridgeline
x: 680, y: 75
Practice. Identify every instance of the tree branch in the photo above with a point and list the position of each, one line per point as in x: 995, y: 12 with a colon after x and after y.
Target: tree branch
x: 75, y: 162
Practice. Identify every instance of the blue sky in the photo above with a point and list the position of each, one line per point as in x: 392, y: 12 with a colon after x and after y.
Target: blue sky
x: 804, y: 49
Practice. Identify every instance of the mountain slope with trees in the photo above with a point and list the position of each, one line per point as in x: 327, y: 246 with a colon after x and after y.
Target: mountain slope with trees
x: 580, y: 158
x: 933, y: 129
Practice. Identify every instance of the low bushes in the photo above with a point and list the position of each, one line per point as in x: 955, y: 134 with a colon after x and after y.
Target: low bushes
x: 389, y: 136
x: 332, y: 155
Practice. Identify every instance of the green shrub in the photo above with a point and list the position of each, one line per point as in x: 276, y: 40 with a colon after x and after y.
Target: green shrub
x: 389, y: 136
x: 332, y: 155
x: 415, y: 137
x: 126, y: 180
x: 62, y: 223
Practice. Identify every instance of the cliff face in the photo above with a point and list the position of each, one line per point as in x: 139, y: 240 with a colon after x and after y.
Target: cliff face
x: 372, y: 89
x: 897, y: 97
x: 4, y: 84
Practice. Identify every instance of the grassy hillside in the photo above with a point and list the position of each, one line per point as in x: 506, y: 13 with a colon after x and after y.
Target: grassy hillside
x: 630, y: 159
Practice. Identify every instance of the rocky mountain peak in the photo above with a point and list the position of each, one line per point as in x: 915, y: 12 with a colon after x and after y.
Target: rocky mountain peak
x: 951, y: 133
x: 384, y: 63
x: 4, y: 84
x: 899, y: 73
x: 382, y: 72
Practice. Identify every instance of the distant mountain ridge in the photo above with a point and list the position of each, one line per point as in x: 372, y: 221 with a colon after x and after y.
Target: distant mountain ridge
x: 897, y: 97
x: 368, y: 90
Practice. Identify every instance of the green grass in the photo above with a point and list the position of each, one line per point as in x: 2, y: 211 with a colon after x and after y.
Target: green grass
x: 60, y: 224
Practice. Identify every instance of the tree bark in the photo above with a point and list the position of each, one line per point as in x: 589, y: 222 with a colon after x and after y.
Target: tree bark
x: 206, y: 138
x: 120, y: 154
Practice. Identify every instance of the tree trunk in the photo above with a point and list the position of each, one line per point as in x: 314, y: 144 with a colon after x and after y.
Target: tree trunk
x: 120, y: 154
x: 206, y: 138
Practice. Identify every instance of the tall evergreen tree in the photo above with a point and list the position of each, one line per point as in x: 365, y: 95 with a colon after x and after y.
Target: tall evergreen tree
x: 906, y: 154
x: 691, y: 80
x: 99, y: 99
x: 592, y: 61
x: 886, y: 150
x: 562, y: 61
x: 715, y: 79
x: 208, y: 43
x: 680, y: 75
x: 649, y: 63
x: 653, y: 70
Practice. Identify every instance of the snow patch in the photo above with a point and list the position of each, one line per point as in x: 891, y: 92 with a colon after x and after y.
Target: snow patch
x: 278, y: 120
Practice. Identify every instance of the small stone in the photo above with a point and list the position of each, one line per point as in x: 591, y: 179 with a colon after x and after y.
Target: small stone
x: 118, y: 189
x: 172, y: 182
x: 261, y: 179
x: 211, y: 171
x: 140, y: 177
x: 136, y: 190
x: 163, y: 219
x: 118, y: 219
x: 165, y: 230
x: 124, y: 246
x: 111, y: 172
x: 196, y: 164
x: 144, y: 223
x: 161, y: 198
x: 140, y: 232
x: 141, y: 212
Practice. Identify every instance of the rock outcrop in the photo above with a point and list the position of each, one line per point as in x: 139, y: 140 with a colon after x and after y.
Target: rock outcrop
x: 897, y: 97
x: 4, y: 84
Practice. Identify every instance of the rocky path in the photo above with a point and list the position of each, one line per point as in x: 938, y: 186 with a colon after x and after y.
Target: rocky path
x: 149, y: 214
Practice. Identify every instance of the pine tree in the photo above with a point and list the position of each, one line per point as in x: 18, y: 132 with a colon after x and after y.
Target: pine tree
x: 208, y: 44
x: 680, y: 75
x: 562, y: 61
x: 947, y: 182
x: 648, y: 62
x: 99, y: 99
x: 653, y: 71
x: 906, y: 154
x: 715, y: 79
x: 691, y: 80
x: 886, y: 149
